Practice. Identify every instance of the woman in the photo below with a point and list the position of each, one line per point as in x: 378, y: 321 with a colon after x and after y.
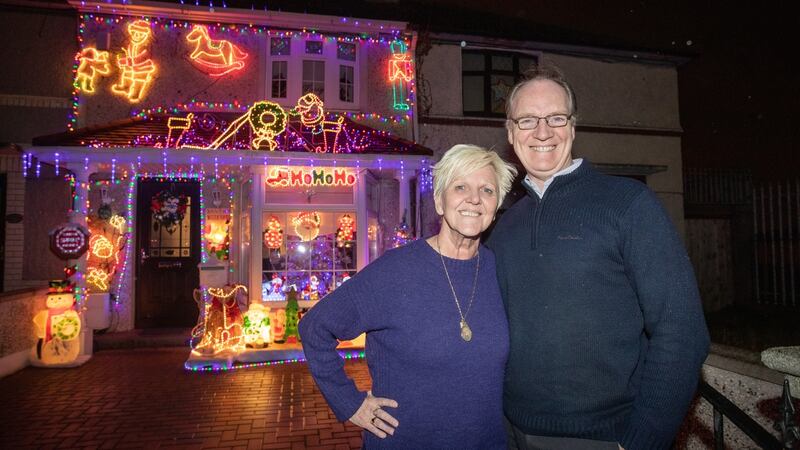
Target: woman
x: 437, y: 335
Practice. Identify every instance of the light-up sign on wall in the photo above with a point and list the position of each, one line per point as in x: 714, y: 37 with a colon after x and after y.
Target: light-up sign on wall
x: 285, y: 176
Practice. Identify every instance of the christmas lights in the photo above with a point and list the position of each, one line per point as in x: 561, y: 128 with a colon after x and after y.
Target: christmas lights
x: 178, y: 123
x: 92, y: 62
x: 273, y: 235
x: 218, y: 57
x: 284, y: 177
x: 222, y: 327
x: 137, y: 69
x: 306, y: 225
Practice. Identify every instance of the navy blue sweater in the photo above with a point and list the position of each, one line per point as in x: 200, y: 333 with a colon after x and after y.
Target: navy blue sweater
x: 449, y: 391
x: 606, y: 325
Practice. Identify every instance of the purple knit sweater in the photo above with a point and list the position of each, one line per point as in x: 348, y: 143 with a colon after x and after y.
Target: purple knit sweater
x: 449, y: 391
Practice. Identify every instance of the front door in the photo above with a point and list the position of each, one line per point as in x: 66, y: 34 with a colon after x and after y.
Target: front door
x: 168, y: 251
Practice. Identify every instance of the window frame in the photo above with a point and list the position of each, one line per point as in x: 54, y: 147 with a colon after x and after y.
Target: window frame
x: 487, y: 73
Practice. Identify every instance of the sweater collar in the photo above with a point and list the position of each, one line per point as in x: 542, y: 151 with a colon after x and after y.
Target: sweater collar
x: 564, y: 181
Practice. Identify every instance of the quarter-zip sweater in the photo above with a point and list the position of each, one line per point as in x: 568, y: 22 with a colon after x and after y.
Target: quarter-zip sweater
x: 449, y: 392
x: 607, y: 335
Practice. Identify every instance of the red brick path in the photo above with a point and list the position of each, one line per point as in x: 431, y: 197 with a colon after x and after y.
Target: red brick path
x: 144, y: 398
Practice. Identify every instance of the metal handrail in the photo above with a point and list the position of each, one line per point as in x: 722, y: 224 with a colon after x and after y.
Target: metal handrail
x: 724, y: 407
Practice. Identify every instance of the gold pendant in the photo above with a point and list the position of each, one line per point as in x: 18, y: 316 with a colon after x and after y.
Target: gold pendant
x: 466, y: 333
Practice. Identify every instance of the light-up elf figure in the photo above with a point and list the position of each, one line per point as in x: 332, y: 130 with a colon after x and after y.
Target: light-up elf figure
x: 401, y: 72
x: 137, y: 69
x: 57, y: 328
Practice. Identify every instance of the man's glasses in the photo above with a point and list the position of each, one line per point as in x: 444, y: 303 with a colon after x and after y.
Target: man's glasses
x: 552, y: 121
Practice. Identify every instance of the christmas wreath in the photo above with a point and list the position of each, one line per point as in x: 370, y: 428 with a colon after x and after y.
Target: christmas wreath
x: 168, y: 209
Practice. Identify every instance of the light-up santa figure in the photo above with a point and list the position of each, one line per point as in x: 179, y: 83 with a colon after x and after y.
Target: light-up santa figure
x: 57, y: 328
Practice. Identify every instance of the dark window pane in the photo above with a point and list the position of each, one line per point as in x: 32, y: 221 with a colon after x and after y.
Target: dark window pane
x: 314, y: 78
x: 346, y: 51
x: 314, y: 47
x: 279, y: 46
x: 473, y: 61
x: 346, y: 83
x: 279, y: 78
x: 502, y: 62
x: 473, y: 93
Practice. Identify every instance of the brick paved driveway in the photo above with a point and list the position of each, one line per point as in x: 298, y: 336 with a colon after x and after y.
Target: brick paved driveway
x: 143, y: 398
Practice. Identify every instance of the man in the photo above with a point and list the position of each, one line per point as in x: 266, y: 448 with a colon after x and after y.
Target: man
x: 606, y: 326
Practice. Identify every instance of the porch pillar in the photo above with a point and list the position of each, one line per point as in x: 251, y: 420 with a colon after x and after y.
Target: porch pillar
x: 78, y: 215
x: 256, y: 254
x: 362, y: 223
x: 404, y: 200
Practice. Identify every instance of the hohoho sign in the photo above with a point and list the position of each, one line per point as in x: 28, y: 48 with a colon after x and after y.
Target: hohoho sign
x: 303, y: 176
x: 69, y: 240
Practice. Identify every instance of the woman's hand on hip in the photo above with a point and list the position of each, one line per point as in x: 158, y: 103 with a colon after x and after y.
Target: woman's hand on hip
x: 371, y: 417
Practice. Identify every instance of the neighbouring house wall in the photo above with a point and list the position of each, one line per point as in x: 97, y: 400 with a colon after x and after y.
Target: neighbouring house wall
x: 17, y: 309
x: 35, y: 90
x: 615, y: 100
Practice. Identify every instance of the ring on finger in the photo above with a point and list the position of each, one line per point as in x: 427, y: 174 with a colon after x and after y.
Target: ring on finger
x: 373, y: 420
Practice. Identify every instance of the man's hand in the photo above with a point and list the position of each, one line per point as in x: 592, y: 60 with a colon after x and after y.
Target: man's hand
x: 372, y: 418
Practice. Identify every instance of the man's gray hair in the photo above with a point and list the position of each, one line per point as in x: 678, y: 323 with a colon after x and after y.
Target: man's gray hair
x: 462, y: 160
x: 542, y: 72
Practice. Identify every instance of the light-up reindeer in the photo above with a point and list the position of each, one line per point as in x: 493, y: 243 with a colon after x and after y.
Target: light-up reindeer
x: 137, y: 69
x: 92, y: 62
x: 217, y: 56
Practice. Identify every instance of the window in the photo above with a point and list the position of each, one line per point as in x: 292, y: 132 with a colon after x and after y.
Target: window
x: 280, y: 46
x: 487, y: 78
x: 314, y: 251
x: 346, y: 83
x: 314, y: 47
x: 279, y: 78
x: 346, y: 51
x: 314, y: 77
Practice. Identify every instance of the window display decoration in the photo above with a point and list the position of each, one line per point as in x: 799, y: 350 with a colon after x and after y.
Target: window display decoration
x: 217, y: 56
x: 136, y: 68
x: 306, y: 225
x: 92, y: 62
x: 57, y: 328
x: 273, y: 235
x: 222, y: 327
x: 168, y: 209
x: 401, y: 73
x: 275, y: 289
x: 345, y: 233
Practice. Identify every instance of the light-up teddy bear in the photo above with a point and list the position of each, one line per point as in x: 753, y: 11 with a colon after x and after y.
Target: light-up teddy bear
x: 57, y: 328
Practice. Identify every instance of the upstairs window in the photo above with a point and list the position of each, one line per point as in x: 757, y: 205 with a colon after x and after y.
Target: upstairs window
x: 314, y: 78
x: 346, y: 83
x: 280, y: 73
x: 487, y: 78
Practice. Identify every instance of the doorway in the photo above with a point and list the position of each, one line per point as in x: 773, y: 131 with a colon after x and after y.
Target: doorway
x: 168, y: 252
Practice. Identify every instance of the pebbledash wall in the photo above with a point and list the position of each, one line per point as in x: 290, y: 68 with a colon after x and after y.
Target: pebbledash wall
x: 628, y: 116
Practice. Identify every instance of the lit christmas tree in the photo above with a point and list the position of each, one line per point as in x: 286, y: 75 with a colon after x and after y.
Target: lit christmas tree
x: 402, y: 233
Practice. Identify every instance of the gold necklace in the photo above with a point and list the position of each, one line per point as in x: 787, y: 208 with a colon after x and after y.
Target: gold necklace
x: 466, y: 332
